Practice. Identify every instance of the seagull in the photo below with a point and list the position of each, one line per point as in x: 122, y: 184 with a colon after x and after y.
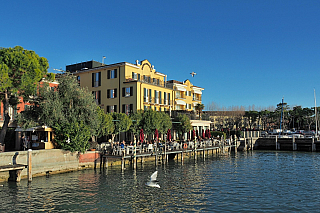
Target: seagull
x: 153, y: 180
x: 193, y: 74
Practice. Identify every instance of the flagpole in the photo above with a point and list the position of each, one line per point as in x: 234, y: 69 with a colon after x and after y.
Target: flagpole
x: 315, y: 111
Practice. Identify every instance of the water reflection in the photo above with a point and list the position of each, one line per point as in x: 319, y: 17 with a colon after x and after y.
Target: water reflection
x: 255, y: 181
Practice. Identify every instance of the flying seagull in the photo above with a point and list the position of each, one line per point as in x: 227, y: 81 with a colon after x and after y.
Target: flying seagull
x: 193, y: 74
x: 153, y: 180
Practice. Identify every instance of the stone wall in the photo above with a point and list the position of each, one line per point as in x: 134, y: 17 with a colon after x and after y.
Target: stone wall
x: 48, y: 161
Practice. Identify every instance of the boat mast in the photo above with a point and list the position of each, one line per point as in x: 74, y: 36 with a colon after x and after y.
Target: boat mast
x: 281, y: 117
x: 315, y: 111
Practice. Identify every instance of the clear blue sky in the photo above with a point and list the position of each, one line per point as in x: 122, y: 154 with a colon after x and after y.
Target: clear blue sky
x: 245, y: 53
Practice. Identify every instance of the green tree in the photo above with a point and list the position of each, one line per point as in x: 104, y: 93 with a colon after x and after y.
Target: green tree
x: 122, y: 123
x: 182, y: 124
x: 73, y: 114
x: 151, y: 121
x: 199, y: 108
x: 20, y: 71
x: 165, y: 122
x: 251, y: 117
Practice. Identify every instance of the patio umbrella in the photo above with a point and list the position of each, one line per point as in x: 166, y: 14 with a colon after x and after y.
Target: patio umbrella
x: 156, y: 134
x: 193, y: 135
x: 169, y: 135
x: 141, y: 136
x: 197, y: 134
x: 203, y: 135
x: 209, y: 134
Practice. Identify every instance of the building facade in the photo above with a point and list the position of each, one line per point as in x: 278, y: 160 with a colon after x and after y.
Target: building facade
x: 125, y: 87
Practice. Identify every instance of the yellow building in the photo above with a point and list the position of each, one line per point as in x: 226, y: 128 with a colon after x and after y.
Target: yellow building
x: 186, y: 95
x: 125, y: 87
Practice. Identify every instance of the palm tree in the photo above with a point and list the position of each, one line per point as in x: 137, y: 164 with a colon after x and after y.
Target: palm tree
x: 199, y: 108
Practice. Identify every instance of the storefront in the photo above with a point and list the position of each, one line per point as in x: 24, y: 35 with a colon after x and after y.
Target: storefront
x: 40, y: 137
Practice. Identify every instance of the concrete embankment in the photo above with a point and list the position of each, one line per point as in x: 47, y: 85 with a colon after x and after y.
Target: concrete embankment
x: 48, y: 161
x: 288, y: 144
x: 55, y: 161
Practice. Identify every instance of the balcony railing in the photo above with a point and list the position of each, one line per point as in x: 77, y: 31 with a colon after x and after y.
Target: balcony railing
x: 148, y: 80
x: 157, y: 101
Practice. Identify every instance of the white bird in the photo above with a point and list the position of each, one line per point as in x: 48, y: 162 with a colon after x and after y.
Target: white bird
x: 153, y: 180
x: 193, y: 74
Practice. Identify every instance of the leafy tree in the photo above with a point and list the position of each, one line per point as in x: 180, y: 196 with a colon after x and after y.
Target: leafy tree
x: 151, y: 121
x: 136, y: 119
x: 122, y: 123
x: 73, y: 114
x: 182, y: 124
x: 20, y: 71
x: 251, y: 117
x: 165, y: 122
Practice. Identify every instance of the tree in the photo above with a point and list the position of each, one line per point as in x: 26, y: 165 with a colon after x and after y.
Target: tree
x: 72, y: 113
x: 122, y: 123
x: 182, y: 124
x: 151, y: 121
x: 199, y: 108
x: 251, y: 117
x: 20, y: 71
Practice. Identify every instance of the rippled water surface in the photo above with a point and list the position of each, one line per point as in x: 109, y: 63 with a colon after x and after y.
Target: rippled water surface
x: 242, y: 182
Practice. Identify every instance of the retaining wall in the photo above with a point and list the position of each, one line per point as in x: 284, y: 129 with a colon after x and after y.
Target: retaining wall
x: 51, y: 160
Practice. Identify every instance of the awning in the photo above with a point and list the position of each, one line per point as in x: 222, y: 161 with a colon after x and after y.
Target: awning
x: 179, y: 102
x: 197, y: 91
x: 180, y: 88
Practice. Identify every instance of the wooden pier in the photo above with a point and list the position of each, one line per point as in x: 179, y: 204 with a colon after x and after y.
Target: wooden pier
x: 14, y: 171
x: 163, y: 156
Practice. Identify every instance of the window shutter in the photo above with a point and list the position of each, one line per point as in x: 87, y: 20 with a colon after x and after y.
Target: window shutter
x: 92, y: 79
x: 108, y: 74
x: 115, y: 108
x: 150, y: 95
x: 115, y: 93
x: 99, y: 96
x: 131, y: 108
x: 123, y: 108
x: 131, y: 91
x: 108, y: 109
x: 115, y: 73
x: 99, y: 79
x: 108, y: 93
x: 123, y: 91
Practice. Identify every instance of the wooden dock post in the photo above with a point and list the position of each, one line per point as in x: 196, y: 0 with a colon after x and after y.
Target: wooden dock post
x: 29, y: 162
x: 135, y: 153
x: 122, y: 163
x: 313, y: 145
x: 294, y: 145
x: 276, y: 142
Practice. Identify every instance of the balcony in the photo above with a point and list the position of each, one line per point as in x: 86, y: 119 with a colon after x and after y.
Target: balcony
x: 148, y: 80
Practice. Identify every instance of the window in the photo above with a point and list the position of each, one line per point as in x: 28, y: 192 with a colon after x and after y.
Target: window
x: 138, y: 77
x: 160, y: 101
x: 169, y: 98
x: 112, y: 74
x: 96, y: 79
x: 156, y: 97
x: 165, y: 98
x: 97, y: 96
x: 145, y: 108
x: 111, y: 93
x: 112, y: 108
x: 134, y: 76
x: 150, y: 96
x: 78, y: 79
x: 127, y: 108
x: 145, y: 97
x: 127, y: 91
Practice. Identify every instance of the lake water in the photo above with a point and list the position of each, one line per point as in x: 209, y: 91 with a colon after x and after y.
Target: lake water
x: 259, y: 181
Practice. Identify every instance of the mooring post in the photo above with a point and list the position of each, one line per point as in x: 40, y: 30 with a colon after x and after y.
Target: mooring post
x: 276, y: 142
x: 294, y: 143
x: 29, y: 162
x: 122, y: 163
x: 135, y: 153
x: 313, y: 148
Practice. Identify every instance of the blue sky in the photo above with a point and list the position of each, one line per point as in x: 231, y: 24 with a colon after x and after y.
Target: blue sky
x: 245, y: 53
